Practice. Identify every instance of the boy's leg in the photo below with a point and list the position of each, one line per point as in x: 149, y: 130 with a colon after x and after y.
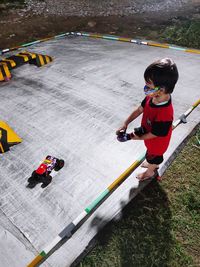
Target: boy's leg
x: 153, y: 162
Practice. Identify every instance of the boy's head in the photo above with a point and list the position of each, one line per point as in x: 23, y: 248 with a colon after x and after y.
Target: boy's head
x: 162, y: 73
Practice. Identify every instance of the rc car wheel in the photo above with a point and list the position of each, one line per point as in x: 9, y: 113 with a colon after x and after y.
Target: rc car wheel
x: 29, y: 180
x: 31, y: 185
x: 46, y: 181
x: 59, y: 164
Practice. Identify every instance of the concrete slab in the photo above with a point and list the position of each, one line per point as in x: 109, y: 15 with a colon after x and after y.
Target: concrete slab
x: 71, y: 109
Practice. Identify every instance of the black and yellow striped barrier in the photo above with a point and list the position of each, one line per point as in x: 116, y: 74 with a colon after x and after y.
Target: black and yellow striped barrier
x: 41, y: 60
x: 36, y: 59
x: 6, y: 64
x: 19, y: 59
x: 9, y: 62
x: 8, y: 137
x: 5, y: 74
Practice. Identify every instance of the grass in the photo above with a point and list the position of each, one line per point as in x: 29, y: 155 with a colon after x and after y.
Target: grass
x: 6, y: 5
x: 10, y: 2
x: 183, y: 33
x: 161, y: 226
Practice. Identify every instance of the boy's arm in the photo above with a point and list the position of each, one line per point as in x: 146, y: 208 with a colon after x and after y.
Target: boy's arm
x: 144, y: 136
x: 159, y: 128
x: 132, y: 117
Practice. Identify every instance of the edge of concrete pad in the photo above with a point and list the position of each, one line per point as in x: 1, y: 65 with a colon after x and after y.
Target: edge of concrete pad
x: 107, y: 37
x: 93, y: 241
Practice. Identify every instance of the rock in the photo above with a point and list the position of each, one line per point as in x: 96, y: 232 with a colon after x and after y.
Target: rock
x: 3, y: 6
x: 196, y: 16
x: 12, y: 35
x: 115, y: 28
x: 92, y: 24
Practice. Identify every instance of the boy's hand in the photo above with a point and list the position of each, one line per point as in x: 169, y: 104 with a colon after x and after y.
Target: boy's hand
x: 123, y: 136
x: 121, y: 129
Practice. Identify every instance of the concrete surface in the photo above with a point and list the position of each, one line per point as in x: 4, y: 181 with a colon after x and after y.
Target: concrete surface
x: 71, y: 109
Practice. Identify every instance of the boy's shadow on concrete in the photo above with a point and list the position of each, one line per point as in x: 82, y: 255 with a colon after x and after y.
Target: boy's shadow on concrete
x: 143, y: 231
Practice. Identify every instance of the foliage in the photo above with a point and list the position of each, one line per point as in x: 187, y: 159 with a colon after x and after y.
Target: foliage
x: 185, y: 33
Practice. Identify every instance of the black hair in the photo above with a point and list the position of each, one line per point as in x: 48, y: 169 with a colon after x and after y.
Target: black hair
x: 162, y: 73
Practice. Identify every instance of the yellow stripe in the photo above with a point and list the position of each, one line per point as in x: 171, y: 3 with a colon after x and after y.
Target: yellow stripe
x: 12, y: 62
x: 1, y: 147
x: 46, y: 39
x: 24, y: 57
x: 47, y: 161
x: 7, y: 72
x: 124, y: 175
x: 124, y: 39
x: 158, y: 45
x: 35, y: 261
x: 192, y: 51
x: 96, y: 35
x: 1, y: 76
x: 47, y: 59
x: 41, y: 60
x: 196, y: 103
x: 12, y: 137
x: 30, y: 54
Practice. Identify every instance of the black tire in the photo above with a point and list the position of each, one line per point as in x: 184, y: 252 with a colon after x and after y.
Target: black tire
x: 31, y: 185
x: 46, y: 181
x: 33, y: 174
x: 33, y: 177
x: 32, y: 181
x: 59, y: 165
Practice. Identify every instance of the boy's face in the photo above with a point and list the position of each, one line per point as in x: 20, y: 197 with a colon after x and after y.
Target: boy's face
x: 150, y: 84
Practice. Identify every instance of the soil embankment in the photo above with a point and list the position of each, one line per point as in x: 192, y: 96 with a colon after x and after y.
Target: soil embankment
x: 149, y: 19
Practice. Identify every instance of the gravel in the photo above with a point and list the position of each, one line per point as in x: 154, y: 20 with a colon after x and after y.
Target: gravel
x: 84, y: 8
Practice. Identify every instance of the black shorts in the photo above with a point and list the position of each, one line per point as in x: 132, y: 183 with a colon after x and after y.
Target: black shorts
x: 153, y: 159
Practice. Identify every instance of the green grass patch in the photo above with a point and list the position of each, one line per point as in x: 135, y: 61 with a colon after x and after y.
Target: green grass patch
x: 12, y: 2
x: 5, y: 5
x: 183, y: 33
x: 161, y: 226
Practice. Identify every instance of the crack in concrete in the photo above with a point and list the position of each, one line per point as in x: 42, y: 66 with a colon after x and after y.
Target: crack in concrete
x: 19, y: 235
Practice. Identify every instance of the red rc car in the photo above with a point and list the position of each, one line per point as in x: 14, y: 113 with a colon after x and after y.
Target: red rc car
x: 42, y: 174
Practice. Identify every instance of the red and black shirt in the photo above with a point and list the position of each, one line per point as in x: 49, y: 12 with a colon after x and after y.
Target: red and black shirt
x: 157, y: 119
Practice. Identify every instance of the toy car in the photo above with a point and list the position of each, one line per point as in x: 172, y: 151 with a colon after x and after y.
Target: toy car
x: 42, y: 173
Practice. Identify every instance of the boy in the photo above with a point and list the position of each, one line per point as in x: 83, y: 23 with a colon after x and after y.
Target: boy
x: 156, y: 125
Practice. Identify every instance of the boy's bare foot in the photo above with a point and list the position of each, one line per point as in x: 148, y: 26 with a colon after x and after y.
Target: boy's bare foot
x: 145, y: 164
x: 145, y: 175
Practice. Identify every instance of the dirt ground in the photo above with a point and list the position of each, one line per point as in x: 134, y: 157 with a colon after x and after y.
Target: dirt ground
x: 19, y: 25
